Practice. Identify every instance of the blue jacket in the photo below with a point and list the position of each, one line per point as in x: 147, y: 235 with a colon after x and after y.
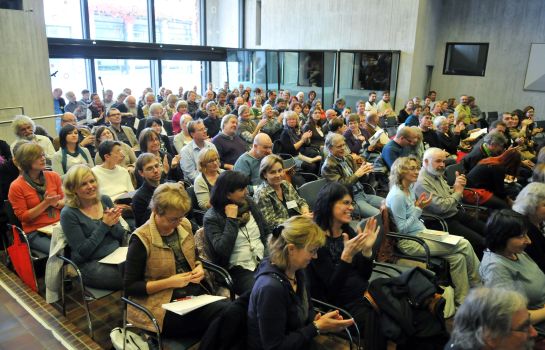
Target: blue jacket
x: 279, y: 318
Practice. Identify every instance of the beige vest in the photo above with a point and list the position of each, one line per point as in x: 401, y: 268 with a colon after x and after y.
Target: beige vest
x: 160, y: 264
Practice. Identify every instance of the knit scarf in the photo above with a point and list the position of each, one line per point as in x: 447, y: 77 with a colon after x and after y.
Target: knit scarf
x: 293, y: 133
x: 40, y: 189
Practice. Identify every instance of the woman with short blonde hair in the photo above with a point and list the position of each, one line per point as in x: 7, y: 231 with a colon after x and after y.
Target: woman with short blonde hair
x: 209, y: 167
x: 162, y: 266
x: 92, y: 226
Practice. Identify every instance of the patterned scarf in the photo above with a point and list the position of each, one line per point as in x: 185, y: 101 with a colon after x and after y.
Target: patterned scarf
x: 40, y: 189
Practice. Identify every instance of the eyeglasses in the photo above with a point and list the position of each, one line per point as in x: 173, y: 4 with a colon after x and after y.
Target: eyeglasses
x: 347, y: 203
x: 174, y: 221
x: 523, y: 328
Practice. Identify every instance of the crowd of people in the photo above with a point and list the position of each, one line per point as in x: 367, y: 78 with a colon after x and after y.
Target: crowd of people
x: 124, y: 166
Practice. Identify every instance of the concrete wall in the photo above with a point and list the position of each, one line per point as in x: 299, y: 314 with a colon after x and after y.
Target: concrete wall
x: 343, y: 24
x: 509, y: 26
x: 24, y: 65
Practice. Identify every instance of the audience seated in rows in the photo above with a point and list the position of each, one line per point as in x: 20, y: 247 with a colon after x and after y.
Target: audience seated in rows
x: 235, y: 230
x: 92, y: 227
x: 405, y: 208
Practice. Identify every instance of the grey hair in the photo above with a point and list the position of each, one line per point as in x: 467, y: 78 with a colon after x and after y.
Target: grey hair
x: 210, y: 104
x: 431, y: 152
x: 243, y: 108
x: 538, y: 174
x: 226, y: 119
x: 289, y: 114
x: 529, y: 199
x: 19, y: 121
x: 495, y: 138
x: 265, y: 107
x: 155, y: 106
x: 485, y: 314
x: 332, y: 138
x: 438, y: 121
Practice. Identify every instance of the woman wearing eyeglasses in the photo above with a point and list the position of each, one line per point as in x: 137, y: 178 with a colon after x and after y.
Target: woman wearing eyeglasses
x: 162, y: 266
x: 340, y: 274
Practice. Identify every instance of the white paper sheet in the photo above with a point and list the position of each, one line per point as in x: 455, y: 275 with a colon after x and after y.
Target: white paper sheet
x: 185, y: 306
x: 116, y: 257
x: 440, y: 236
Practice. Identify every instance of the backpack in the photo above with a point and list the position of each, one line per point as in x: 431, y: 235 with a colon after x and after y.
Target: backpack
x: 408, y: 306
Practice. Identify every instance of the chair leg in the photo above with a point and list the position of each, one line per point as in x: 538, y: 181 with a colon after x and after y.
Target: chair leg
x: 86, y: 305
x: 63, y: 297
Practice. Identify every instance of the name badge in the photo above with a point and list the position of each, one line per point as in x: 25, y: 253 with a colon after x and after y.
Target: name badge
x: 291, y: 204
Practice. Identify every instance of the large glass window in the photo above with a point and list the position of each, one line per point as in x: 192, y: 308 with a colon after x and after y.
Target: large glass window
x: 176, y: 74
x: 63, y: 19
x: 363, y: 72
x: 218, y: 75
x: 117, y: 74
x: 119, y: 21
x: 68, y: 74
x: 177, y: 22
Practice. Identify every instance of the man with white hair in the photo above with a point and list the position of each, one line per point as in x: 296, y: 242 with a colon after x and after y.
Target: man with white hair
x: 249, y: 162
x: 24, y: 129
x: 493, y: 318
x: 445, y: 200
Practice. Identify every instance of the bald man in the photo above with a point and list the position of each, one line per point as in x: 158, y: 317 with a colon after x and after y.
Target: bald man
x: 248, y: 163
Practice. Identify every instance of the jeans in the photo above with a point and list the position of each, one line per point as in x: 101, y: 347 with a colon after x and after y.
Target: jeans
x: 39, y: 241
x: 368, y: 204
x: 102, y: 276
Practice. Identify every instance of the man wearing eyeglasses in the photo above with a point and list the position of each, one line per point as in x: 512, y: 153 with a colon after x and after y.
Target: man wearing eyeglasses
x: 190, y: 152
x: 123, y: 133
x: 492, y: 319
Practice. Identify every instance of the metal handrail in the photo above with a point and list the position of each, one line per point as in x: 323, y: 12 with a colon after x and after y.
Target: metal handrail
x: 16, y: 107
x: 35, y: 118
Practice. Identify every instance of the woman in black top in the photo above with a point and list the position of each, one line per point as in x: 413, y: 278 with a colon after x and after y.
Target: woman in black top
x: 149, y: 141
x: 294, y: 143
x: 314, y: 124
x: 489, y: 174
x: 340, y: 274
x: 447, y: 140
x: 157, y: 125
